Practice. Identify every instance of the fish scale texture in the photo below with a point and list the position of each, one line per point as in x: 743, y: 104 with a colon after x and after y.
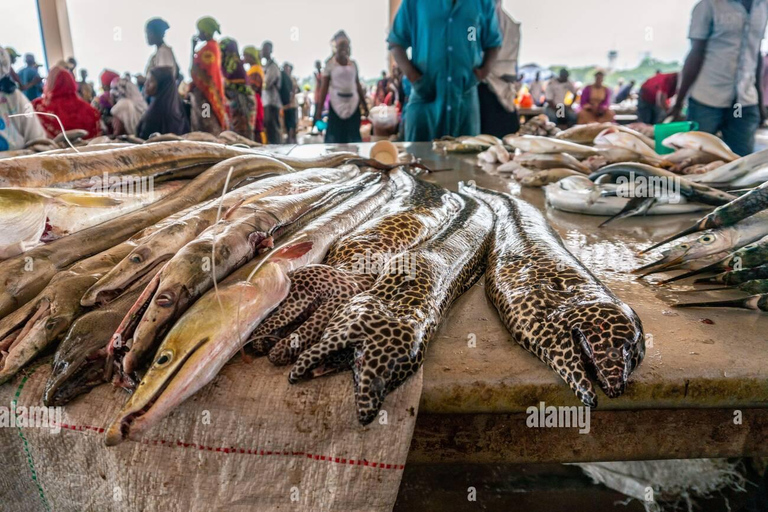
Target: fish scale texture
x: 247, y: 441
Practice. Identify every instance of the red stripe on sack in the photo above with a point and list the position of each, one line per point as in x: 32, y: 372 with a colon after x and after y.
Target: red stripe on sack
x: 248, y: 451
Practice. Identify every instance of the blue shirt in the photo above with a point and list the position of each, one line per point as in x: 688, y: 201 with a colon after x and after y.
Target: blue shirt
x: 447, y: 41
x: 26, y: 75
x: 733, y: 38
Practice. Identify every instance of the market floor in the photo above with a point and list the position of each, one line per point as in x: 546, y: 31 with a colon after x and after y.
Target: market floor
x: 533, y: 488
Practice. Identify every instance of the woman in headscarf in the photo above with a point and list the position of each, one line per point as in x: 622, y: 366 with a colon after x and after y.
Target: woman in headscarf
x: 341, y: 83
x: 242, y: 104
x: 252, y: 57
x: 15, y: 132
x: 129, y: 106
x: 104, y: 103
x: 166, y: 113
x: 208, y: 109
x: 60, y: 98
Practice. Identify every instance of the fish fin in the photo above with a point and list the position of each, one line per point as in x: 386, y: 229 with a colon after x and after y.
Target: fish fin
x: 232, y: 209
x: 87, y: 201
x: 293, y: 251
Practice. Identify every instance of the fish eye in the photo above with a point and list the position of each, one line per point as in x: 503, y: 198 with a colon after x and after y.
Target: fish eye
x: 165, y: 357
x: 707, y: 239
x: 136, y: 258
x: 614, y: 354
x: 684, y: 246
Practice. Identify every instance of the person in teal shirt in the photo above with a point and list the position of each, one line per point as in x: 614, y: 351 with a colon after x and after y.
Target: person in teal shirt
x: 453, y: 44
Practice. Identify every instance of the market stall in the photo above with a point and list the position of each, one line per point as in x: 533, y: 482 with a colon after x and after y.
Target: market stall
x: 249, y: 439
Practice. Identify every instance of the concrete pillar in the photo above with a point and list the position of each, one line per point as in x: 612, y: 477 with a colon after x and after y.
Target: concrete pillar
x: 57, y: 36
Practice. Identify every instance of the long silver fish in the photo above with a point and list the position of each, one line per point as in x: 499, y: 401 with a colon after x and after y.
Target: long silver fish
x: 166, y: 242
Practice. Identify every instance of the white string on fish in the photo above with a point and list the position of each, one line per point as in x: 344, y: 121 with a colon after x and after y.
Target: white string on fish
x: 63, y: 131
x: 213, y: 245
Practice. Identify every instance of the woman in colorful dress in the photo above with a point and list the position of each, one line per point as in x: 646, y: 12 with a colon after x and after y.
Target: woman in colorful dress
x: 208, y: 102
x: 596, y: 102
x: 240, y: 98
x: 60, y: 98
x: 252, y: 57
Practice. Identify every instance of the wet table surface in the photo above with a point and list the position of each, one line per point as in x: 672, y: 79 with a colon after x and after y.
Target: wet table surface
x: 696, y: 358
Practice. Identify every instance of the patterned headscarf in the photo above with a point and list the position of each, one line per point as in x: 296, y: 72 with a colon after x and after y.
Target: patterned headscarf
x: 208, y: 25
x: 253, y: 52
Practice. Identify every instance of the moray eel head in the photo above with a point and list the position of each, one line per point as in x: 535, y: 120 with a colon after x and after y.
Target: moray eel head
x: 612, y: 344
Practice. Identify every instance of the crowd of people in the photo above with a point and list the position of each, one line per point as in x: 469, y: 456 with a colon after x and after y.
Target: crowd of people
x: 455, y: 74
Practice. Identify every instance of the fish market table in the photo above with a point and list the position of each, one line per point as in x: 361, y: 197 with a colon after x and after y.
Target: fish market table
x: 702, y: 390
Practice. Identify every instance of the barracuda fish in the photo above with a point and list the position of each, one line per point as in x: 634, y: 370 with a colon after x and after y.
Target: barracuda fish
x: 549, y: 161
x: 711, y: 241
x: 701, y: 141
x: 657, y: 184
x: 586, y: 133
x: 737, y: 277
x: 615, y: 137
x: 749, y: 256
x: 752, y: 287
x: 166, y: 242
x: 389, y: 326
x: 217, y: 326
x: 732, y: 172
x: 31, y: 216
x: 227, y: 246
x: 726, y: 215
x: 554, y: 307
x: 541, y: 178
x: 536, y: 144
x: 418, y: 211
x: 587, y: 198
x: 79, y: 362
x: 22, y: 277
x: 754, y: 303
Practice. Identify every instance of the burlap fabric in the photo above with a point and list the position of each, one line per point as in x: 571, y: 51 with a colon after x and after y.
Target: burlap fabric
x: 247, y: 441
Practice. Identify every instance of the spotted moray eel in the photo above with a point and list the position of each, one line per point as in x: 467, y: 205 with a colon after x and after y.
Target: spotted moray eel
x: 418, y: 211
x: 553, y: 306
x: 388, y: 327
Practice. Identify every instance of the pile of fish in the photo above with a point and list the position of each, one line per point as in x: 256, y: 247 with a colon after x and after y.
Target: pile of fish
x: 729, y: 246
x: 328, y: 264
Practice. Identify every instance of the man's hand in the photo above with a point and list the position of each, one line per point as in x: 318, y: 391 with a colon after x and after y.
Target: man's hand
x: 481, y: 73
x: 414, y: 75
x: 676, y: 111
